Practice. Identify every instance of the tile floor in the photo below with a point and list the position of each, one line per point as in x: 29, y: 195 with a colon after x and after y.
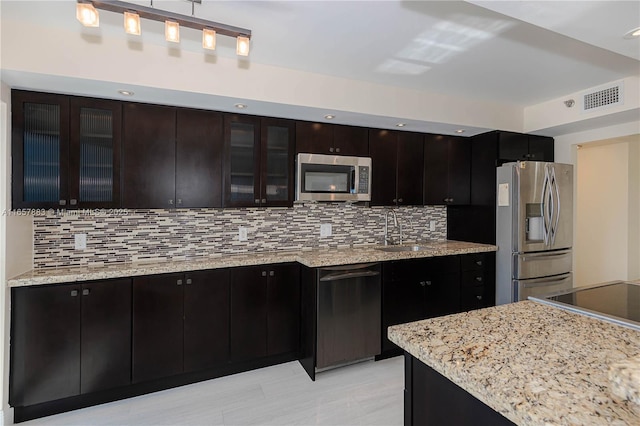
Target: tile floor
x: 369, y: 393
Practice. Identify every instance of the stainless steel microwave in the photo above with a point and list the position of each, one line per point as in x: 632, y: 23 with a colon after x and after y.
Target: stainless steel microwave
x: 333, y: 178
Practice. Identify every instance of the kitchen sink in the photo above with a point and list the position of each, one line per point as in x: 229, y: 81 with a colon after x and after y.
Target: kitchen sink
x: 404, y: 248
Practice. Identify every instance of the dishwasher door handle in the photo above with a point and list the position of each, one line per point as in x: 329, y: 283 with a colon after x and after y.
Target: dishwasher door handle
x: 348, y: 275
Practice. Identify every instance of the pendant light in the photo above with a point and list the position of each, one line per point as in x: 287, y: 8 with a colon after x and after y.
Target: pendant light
x: 132, y: 23
x: 242, y: 46
x: 172, y: 31
x: 87, y: 15
x: 208, y: 39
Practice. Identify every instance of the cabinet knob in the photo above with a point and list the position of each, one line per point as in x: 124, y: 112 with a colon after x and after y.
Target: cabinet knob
x: 179, y: 202
x: 63, y: 202
x: 73, y: 202
x: 479, y: 262
x: 271, y: 273
x: 256, y: 201
x: 264, y: 273
x: 171, y: 202
x: 395, y: 200
x: 74, y: 293
x: 331, y: 149
x: 189, y: 281
x: 337, y: 149
x: 479, y: 297
x: 479, y: 279
x: 400, y: 200
x: 85, y: 291
x: 179, y: 282
x: 428, y: 283
x: 264, y: 201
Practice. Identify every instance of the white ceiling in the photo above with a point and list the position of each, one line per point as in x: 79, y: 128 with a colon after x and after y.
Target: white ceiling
x: 517, y: 52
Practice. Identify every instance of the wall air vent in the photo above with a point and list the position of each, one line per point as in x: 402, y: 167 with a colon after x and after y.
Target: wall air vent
x: 602, y: 97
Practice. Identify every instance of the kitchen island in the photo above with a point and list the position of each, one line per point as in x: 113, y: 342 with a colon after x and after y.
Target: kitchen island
x: 531, y: 363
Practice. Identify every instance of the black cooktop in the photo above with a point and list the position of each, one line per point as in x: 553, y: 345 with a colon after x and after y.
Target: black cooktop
x: 617, y: 302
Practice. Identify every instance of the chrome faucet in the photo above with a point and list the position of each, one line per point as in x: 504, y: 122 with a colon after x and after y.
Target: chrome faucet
x: 387, y: 239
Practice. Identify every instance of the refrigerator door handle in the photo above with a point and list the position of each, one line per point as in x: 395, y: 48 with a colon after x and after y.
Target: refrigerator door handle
x: 557, y: 212
x: 547, y: 207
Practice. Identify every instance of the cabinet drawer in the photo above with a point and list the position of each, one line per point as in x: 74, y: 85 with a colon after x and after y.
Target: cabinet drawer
x: 475, y: 278
x: 476, y: 297
x: 477, y: 261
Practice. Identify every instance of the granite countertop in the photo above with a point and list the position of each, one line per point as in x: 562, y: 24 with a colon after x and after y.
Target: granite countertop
x: 310, y: 258
x: 535, y: 364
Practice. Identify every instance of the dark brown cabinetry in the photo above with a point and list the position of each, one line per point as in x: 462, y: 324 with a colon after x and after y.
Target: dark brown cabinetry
x: 523, y: 147
x: 447, y: 168
x: 417, y: 289
x: 171, y: 157
x: 331, y: 139
x: 478, y: 281
x: 65, y: 151
x: 397, y: 158
x: 258, y: 159
x: 265, y: 311
x: 180, y: 323
x: 69, y: 339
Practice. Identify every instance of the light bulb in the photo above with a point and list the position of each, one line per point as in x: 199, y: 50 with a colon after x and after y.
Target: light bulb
x: 132, y: 23
x: 172, y: 31
x: 242, y: 47
x: 87, y: 15
x: 208, y: 39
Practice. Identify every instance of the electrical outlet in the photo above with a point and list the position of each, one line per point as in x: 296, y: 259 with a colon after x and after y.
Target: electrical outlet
x: 432, y: 225
x: 242, y: 234
x: 325, y: 230
x: 81, y: 241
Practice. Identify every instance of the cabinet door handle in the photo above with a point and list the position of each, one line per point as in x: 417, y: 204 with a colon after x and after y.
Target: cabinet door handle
x: 74, y: 293
x: 256, y: 201
x: 479, y: 262
x: 63, y: 202
x: 179, y: 201
x: 428, y: 283
x: 400, y: 200
x: 189, y: 281
x: 85, y: 291
x: 264, y: 273
x: 337, y: 149
x: 171, y: 202
x: 271, y: 273
x: 331, y: 149
x: 395, y: 200
x: 264, y: 201
x: 179, y: 282
x: 73, y: 202
x: 479, y: 279
x: 479, y: 297
x: 422, y: 283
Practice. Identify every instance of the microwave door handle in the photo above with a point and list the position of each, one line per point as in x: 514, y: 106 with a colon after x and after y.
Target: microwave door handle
x: 354, y: 189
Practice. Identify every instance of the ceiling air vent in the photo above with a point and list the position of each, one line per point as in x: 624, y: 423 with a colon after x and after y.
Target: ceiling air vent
x: 602, y: 97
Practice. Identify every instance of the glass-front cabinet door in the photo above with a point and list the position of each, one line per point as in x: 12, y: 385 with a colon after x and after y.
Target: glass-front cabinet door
x: 277, y: 162
x: 40, y: 143
x: 65, y: 151
x: 242, y: 161
x: 94, y: 165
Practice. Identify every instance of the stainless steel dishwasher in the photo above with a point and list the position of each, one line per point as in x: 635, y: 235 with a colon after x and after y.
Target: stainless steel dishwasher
x: 349, y: 318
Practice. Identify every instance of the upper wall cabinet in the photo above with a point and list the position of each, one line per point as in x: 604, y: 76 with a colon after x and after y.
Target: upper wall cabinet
x: 171, y: 157
x: 330, y: 139
x: 65, y: 151
x: 518, y: 146
x: 397, y: 161
x: 447, y: 169
x: 258, y: 161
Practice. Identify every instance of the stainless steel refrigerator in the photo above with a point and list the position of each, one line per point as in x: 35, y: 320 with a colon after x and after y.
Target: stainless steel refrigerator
x: 534, y: 230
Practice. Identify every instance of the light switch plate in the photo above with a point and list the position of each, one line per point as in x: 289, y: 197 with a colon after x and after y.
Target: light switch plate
x: 432, y: 225
x: 242, y: 234
x: 81, y: 241
x: 325, y: 230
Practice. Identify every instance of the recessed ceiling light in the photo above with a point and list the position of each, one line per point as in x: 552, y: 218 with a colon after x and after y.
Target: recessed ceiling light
x: 401, y: 124
x: 460, y: 131
x: 634, y: 33
x: 125, y: 92
x: 240, y: 106
x: 329, y: 117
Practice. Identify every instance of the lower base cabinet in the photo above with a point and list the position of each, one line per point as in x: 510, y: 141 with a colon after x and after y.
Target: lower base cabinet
x: 432, y: 399
x: 180, y: 323
x: 265, y: 311
x: 69, y: 339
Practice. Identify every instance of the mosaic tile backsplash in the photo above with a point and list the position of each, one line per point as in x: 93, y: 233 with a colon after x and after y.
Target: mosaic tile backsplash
x: 182, y: 234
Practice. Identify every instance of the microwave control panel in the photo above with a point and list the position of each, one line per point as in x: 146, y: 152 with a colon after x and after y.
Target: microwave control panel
x: 363, y: 179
